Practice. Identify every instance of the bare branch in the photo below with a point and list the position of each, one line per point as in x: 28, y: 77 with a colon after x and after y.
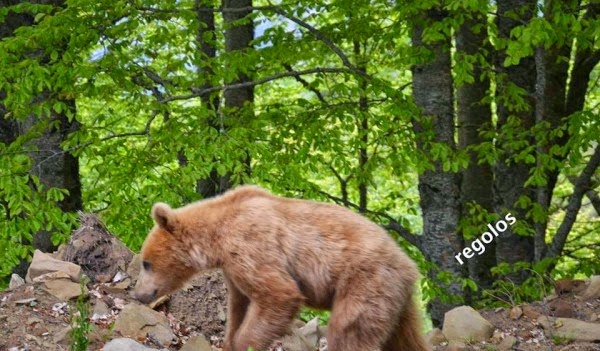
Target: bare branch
x: 306, y: 85
x: 582, y: 185
x: 200, y: 92
x: 319, y: 35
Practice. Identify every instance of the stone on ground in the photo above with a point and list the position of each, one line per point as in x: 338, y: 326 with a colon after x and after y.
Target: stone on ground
x: 43, y: 263
x: 197, y: 343
x: 138, y: 321
x: 125, y: 344
x: 465, y: 324
x: 571, y: 329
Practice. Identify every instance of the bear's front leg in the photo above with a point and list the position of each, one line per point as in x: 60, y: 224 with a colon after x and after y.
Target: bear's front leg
x: 264, y: 323
x: 237, y: 304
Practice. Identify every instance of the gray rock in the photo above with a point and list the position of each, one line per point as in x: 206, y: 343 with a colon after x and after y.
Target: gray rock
x: 507, y: 343
x: 15, y: 281
x: 137, y: 321
x: 197, y: 343
x: 593, y: 290
x: 44, y: 263
x: 571, y: 329
x: 305, y: 338
x: 125, y: 344
x: 465, y: 324
x: 133, y: 269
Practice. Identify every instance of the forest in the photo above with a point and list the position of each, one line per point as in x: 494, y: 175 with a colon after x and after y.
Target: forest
x: 432, y: 118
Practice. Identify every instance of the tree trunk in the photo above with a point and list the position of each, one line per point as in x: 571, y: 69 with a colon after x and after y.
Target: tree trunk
x: 214, y: 183
x: 510, y: 175
x: 237, y: 101
x: 439, y: 190
x: 473, y: 115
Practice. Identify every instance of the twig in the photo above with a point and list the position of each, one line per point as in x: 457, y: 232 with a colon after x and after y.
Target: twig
x: 200, y: 92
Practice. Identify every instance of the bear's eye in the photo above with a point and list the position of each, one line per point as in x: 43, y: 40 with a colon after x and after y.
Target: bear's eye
x: 147, y: 265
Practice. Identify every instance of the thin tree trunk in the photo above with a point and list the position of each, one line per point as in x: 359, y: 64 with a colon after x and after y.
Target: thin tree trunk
x: 439, y: 190
x: 238, y: 102
x: 214, y: 183
x: 473, y: 115
x: 363, y: 128
x: 510, y: 175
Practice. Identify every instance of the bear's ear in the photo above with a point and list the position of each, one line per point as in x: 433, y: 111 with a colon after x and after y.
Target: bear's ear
x: 164, y: 216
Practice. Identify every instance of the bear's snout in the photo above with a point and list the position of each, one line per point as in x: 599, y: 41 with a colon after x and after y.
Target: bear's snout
x: 145, y: 297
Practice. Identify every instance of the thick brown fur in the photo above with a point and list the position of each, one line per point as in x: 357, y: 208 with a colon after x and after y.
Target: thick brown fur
x: 278, y: 254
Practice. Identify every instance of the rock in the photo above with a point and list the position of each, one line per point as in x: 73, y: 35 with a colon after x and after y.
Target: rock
x: 44, y: 263
x: 62, y: 334
x: 465, y: 324
x: 507, y: 343
x: 530, y: 312
x: 593, y: 290
x: 15, y: 281
x: 515, y: 313
x: 133, y: 268
x: 310, y: 331
x: 99, y: 253
x: 64, y: 289
x: 456, y: 346
x: 435, y: 337
x: 561, y: 308
x: 137, y: 321
x: 196, y: 343
x: 569, y: 328
x: 51, y: 276
x: 125, y: 344
x: 304, y: 337
x: 101, y: 311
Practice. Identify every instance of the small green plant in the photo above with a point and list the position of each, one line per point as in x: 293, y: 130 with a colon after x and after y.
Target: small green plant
x: 561, y: 340
x: 80, y: 322
x: 307, y: 314
x: 490, y: 348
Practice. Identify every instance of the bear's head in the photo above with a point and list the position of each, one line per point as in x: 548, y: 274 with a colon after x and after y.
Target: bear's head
x: 167, y: 256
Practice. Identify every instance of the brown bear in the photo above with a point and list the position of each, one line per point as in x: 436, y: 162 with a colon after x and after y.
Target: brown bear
x: 278, y: 254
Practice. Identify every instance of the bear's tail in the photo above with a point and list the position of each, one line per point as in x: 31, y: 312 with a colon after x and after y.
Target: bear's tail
x: 407, y: 335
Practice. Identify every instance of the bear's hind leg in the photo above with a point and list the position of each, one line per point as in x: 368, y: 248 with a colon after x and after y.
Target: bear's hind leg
x: 263, y: 324
x: 357, y: 325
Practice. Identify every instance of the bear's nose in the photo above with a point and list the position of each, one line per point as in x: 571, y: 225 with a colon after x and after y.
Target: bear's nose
x: 146, y: 297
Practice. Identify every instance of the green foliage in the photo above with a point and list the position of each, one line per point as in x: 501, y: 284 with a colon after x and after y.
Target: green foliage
x: 308, y: 314
x: 505, y: 292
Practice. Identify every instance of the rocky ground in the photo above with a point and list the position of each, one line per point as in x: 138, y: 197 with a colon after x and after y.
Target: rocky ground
x: 41, y: 311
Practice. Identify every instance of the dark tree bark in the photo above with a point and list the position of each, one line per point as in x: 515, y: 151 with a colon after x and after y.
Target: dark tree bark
x: 511, y: 175
x: 473, y: 115
x: 214, y: 183
x: 238, y: 38
x: 552, y: 73
x: 439, y: 190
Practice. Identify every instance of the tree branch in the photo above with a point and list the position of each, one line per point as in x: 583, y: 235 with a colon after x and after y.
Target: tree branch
x: 200, y: 92
x: 582, y: 185
x: 319, y: 35
x: 306, y: 85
